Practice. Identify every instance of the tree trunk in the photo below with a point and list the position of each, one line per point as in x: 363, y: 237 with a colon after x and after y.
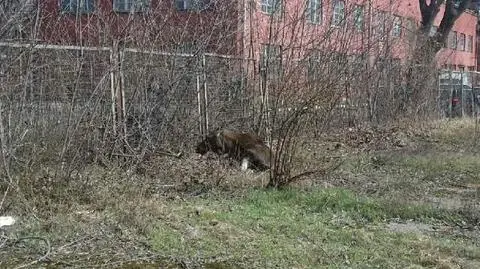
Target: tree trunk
x: 422, y: 70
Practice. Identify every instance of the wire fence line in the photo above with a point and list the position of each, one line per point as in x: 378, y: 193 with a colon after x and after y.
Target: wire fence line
x: 110, y: 99
x: 111, y: 95
x: 459, y: 93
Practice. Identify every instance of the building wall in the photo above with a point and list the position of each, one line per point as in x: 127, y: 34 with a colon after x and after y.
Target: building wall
x: 242, y: 28
x: 294, y: 31
x: 161, y: 26
x: 458, y: 58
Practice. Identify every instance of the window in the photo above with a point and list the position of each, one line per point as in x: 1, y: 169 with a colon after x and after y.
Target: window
x: 461, y: 42
x: 130, y: 5
x: 77, y: 6
x: 314, y: 11
x: 358, y: 18
x: 410, y: 30
x: 271, y: 60
x: 433, y: 30
x: 397, y: 26
x: 186, y: 47
x: 379, y: 22
x: 271, y: 6
x: 469, y: 45
x: 314, y: 61
x: 338, y: 13
x: 452, y: 40
x: 192, y: 4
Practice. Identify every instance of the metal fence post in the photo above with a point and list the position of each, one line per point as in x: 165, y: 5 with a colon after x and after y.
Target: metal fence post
x: 113, y: 87
x: 117, y: 91
x: 205, y: 91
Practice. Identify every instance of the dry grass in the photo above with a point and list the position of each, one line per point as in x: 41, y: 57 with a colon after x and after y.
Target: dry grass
x: 195, y: 211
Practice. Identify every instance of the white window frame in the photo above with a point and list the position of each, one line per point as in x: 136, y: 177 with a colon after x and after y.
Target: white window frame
x: 338, y: 14
x: 314, y: 11
x: 452, y: 40
x: 80, y: 7
x: 358, y: 17
x: 196, y: 5
x: 397, y: 26
x: 271, y: 6
x: 126, y: 6
x: 469, y: 44
x: 462, y: 40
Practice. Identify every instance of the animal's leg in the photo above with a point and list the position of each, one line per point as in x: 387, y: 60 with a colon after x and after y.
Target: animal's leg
x: 244, y: 164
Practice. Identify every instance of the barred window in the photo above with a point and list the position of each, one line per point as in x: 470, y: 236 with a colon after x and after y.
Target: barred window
x: 397, y: 26
x: 130, y: 5
x: 338, y: 13
x: 314, y: 11
x: 185, y: 5
x: 358, y: 17
x: 271, y: 6
x: 77, y: 6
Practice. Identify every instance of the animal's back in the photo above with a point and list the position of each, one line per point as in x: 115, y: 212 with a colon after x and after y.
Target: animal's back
x: 239, y: 145
x: 245, y: 139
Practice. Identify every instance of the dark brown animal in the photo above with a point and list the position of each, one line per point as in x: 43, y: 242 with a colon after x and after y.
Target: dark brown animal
x: 245, y: 147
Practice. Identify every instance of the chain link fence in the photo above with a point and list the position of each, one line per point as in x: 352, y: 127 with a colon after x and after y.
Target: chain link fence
x: 82, y: 102
x: 459, y: 93
x: 86, y: 102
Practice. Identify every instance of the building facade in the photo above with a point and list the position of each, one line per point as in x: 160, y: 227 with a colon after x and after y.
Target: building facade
x: 159, y: 24
x: 374, y: 27
x: 249, y: 29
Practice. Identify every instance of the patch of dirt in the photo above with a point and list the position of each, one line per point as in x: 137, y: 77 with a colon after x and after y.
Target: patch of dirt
x: 373, y: 138
x: 410, y: 227
x: 460, y: 230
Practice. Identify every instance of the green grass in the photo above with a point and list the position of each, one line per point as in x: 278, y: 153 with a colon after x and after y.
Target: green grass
x: 432, y: 183
x: 464, y: 163
x: 292, y: 228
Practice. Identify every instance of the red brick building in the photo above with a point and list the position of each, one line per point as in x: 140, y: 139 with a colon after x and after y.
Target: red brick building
x: 245, y: 28
x: 364, y: 27
x: 143, y: 23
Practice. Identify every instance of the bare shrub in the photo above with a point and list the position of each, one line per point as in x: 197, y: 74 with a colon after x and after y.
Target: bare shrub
x: 148, y: 87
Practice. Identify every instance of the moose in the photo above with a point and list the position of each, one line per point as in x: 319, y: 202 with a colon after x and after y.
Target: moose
x: 245, y: 147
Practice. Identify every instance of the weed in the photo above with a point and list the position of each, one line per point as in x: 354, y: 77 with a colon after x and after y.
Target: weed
x: 291, y: 228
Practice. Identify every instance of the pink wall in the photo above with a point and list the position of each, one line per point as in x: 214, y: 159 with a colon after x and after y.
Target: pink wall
x: 294, y: 32
x: 466, y: 24
x: 240, y: 27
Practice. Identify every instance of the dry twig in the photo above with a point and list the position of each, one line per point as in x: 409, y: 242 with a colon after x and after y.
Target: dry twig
x: 47, y: 252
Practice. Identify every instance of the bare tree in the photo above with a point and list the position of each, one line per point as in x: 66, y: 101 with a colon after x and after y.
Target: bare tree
x: 422, y: 71
x: 429, y: 11
x: 16, y: 18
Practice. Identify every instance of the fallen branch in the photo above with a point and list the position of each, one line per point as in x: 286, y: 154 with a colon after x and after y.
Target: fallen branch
x: 166, y: 153
x: 171, y: 154
x: 47, y: 253
x: 318, y: 171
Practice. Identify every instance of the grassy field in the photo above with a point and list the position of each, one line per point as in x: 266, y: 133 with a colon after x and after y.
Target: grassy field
x: 410, y: 206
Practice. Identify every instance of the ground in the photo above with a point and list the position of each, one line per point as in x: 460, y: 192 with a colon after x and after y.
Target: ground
x: 402, y: 198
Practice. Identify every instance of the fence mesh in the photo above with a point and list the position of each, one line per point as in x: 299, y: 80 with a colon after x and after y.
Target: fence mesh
x: 161, y: 98
x: 64, y: 98
x: 52, y: 98
x: 459, y: 93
